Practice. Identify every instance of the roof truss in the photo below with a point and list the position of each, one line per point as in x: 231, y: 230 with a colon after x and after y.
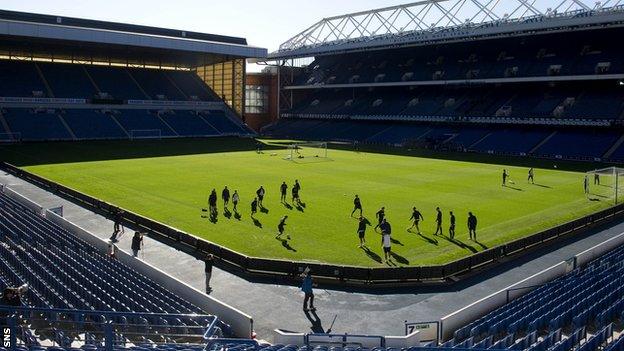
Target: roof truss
x: 435, y: 15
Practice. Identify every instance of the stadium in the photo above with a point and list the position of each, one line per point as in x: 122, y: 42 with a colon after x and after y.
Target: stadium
x: 442, y: 174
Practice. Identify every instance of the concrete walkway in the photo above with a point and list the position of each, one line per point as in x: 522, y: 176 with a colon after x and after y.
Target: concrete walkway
x: 275, y: 306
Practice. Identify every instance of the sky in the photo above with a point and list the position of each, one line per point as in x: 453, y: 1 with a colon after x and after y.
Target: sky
x: 265, y: 23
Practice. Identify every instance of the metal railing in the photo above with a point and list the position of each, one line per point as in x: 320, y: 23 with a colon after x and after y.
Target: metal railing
x: 31, y: 326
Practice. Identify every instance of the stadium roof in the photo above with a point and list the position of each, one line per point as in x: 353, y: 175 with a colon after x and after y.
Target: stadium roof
x: 432, y: 21
x: 45, y: 35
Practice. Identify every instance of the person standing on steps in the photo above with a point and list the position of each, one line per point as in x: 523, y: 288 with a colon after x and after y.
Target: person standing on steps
x: 208, y: 263
x: 306, y: 287
x: 137, y: 243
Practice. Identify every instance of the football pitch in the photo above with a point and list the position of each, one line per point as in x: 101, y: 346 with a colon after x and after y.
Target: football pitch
x: 169, y: 181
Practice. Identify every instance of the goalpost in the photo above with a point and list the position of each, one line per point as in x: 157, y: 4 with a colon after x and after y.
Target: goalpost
x: 145, y: 134
x: 306, y: 150
x: 606, y: 183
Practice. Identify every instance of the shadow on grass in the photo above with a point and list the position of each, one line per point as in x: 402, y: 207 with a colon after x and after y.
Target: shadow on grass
x: 299, y: 208
x: 395, y: 241
x: 400, y: 259
x: 286, y: 244
x: 226, y: 213
x: 483, y: 246
x: 373, y: 256
x: 237, y: 215
x: 512, y: 188
x: 431, y: 241
x: 287, y: 205
x: 460, y: 244
x: 264, y: 210
x: 257, y: 223
x: 542, y: 186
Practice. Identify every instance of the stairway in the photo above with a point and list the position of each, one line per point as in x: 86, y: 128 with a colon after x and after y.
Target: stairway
x: 138, y: 85
x: 614, y: 147
x: 120, y: 126
x: 91, y: 79
x: 478, y: 141
x: 44, y: 80
x: 542, y: 142
x: 69, y: 130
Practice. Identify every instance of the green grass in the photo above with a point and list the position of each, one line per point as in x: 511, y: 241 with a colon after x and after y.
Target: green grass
x: 169, y: 181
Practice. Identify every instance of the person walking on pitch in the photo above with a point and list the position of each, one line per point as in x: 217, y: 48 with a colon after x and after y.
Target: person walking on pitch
x: 586, y: 185
x: 505, y: 176
x: 452, y: 225
x: 357, y: 205
x: 438, y: 222
x: 381, y: 214
x: 225, y: 196
x: 530, y: 177
x: 260, y: 192
x: 386, y: 241
x: 415, y: 218
x: 280, y: 227
x: 283, y: 191
x: 295, y: 195
x: 362, y: 231
x: 235, y: 199
x: 212, y: 202
x: 254, y: 206
x: 472, y: 226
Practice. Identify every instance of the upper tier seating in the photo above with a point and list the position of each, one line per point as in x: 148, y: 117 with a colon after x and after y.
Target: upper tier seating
x: 551, y: 55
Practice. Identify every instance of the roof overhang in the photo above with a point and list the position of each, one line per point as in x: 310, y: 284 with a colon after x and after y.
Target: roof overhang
x: 80, y: 40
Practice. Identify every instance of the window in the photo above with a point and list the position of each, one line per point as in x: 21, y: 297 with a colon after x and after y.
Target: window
x: 256, y: 98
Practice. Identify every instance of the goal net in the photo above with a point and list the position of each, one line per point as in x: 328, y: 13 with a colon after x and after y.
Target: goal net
x: 606, y: 184
x: 306, y: 151
x: 145, y: 134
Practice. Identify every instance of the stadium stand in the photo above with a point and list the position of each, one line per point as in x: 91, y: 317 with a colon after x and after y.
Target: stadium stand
x: 566, y: 83
x: 70, y: 281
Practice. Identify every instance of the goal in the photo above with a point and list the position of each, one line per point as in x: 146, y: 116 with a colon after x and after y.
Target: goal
x: 306, y: 151
x: 606, y: 184
x: 145, y: 134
